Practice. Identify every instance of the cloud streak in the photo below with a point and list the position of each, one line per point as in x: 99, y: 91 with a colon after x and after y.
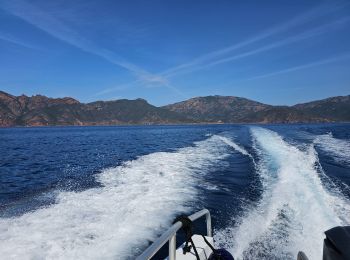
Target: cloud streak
x: 296, y: 38
x: 344, y: 56
x: 61, y: 31
x: 57, y: 29
x: 12, y: 40
x: 210, y: 59
x: 220, y: 56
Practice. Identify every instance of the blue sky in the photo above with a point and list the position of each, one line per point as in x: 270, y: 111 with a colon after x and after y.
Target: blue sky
x: 276, y: 52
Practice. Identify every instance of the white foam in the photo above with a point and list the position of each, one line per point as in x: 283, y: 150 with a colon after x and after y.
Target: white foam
x: 295, y: 208
x: 338, y: 148
x: 235, y: 146
x: 137, y: 200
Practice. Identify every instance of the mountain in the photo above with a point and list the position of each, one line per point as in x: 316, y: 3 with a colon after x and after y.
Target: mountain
x: 226, y: 109
x: 43, y: 111
x: 230, y: 109
x: 332, y: 109
x: 284, y: 114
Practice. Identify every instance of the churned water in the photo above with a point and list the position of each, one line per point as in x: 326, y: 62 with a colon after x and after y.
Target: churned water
x: 107, y: 192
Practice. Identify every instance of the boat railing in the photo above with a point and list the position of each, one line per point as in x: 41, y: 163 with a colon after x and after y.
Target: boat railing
x: 170, y: 235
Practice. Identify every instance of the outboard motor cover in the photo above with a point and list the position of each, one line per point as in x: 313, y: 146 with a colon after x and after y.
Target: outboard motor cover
x: 221, y: 254
x: 336, y: 245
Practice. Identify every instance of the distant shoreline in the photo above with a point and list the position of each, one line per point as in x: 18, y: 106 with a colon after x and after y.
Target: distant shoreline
x: 42, y: 111
x: 189, y: 124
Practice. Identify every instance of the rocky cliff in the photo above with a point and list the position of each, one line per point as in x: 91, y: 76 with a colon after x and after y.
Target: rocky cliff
x: 42, y: 111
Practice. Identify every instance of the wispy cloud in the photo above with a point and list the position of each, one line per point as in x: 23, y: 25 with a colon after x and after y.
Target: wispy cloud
x: 216, y: 57
x: 119, y: 87
x: 62, y: 31
x: 287, y: 41
x: 56, y: 28
x: 10, y: 39
x: 221, y: 56
x: 304, y: 66
x: 155, y: 83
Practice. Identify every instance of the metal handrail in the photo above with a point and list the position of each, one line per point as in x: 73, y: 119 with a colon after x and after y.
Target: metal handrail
x: 170, y: 235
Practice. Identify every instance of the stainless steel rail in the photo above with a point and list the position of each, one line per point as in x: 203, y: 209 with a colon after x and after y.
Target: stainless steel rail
x: 170, y: 235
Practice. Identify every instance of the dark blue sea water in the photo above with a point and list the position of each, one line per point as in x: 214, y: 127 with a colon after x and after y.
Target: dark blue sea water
x: 106, y: 192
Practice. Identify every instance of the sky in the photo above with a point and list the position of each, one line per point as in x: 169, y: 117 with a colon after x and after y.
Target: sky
x: 277, y: 52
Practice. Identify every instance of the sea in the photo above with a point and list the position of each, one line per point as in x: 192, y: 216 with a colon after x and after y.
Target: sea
x: 108, y: 192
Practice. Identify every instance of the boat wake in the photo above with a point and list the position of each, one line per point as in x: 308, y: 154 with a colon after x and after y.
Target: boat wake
x: 137, y: 201
x: 295, y: 208
x: 338, y: 148
x: 235, y: 146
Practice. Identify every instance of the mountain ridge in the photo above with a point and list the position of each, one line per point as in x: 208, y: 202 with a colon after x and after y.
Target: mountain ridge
x: 40, y: 110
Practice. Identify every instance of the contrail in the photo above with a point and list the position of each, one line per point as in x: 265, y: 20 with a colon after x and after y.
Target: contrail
x: 298, y: 20
x: 304, y: 66
x: 213, y: 58
x: 17, y: 42
x: 54, y: 27
x: 299, y: 37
